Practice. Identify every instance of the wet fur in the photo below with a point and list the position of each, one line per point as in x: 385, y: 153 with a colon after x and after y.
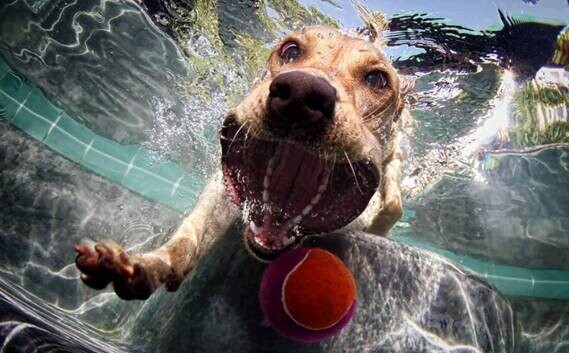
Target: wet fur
x: 365, y: 126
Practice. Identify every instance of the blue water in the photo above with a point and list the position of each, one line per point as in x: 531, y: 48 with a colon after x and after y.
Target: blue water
x: 479, y: 181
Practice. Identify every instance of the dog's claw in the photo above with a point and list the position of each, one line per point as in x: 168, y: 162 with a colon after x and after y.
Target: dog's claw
x: 107, y: 262
x: 94, y: 282
x: 173, y: 283
x: 136, y: 286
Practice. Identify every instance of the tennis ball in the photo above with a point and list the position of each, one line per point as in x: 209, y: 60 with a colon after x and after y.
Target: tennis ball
x: 308, y: 294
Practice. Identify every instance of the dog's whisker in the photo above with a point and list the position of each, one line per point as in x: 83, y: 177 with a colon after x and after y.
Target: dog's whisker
x: 247, y: 135
x: 376, y: 117
x: 388, y: 106
x: 381, y: 109
x: 236, y: 135
x: 353, y: 172
x: 371, y: 115
x: 334, y: 162
x: 332, y: 166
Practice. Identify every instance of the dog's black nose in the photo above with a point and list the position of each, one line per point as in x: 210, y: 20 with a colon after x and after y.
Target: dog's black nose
x: 300, y: 100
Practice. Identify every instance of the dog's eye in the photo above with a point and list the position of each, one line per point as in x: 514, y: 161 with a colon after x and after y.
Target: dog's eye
x: 376, y: 79
x: 290, y: 51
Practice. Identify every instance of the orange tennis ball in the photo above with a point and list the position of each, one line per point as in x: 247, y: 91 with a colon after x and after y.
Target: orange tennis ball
x: 319, y: 291
x: 308, y: 294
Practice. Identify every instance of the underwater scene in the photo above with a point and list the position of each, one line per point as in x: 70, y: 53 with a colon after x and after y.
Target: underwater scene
x: 110, y: 120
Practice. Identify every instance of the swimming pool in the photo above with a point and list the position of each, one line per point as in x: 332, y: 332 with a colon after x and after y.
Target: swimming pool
x: 110, y: 117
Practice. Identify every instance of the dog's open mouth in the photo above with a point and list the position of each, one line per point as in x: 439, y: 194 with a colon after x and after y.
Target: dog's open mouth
x: 286, y: 192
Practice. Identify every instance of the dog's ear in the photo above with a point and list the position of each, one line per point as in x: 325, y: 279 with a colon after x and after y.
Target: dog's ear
x: 375, y: 24
x: 406, y: 84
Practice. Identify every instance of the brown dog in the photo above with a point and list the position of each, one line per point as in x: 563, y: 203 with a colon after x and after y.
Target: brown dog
x: 312, y: 149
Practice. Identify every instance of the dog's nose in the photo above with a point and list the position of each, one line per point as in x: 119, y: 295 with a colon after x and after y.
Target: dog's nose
x: 300, y: 100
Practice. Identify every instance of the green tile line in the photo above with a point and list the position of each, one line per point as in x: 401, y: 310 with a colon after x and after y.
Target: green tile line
x: 167, y: 183
x: 131, y: 166
x: 510, y: 280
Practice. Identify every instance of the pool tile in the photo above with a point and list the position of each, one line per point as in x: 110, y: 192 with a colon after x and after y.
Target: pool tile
x: 32, y: 124
x: 157, y: 178
x: 124, y: 153
x: 77, y: 130
x: 15, y: 86
x: 480, y: 267
x: 49, y: 114
x: 186, y: 194
x: 13, y: 91
x: 39, y: 104
x: 69, y: 138
x: 149, y: 184
x: 108, y: 158
x: 510, y: 280
x: 166, y: 169
x: 449, y: 255
x: 551, y: 284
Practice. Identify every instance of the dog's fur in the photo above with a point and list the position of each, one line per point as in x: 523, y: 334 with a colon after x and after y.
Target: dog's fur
x: 364, y: 127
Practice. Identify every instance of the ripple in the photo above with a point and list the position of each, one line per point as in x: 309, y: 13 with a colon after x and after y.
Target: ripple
x: 100, y: 60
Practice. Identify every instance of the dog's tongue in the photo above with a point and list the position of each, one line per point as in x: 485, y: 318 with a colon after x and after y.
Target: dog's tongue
x: 294, y: 180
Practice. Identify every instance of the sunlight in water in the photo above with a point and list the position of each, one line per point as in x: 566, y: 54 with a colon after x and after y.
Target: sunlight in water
x: 495, y: 126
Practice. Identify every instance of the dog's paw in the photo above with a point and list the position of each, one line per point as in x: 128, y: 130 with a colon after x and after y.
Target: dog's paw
x: 107, y: 262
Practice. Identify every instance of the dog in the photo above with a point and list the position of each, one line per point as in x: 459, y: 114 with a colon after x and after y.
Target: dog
x: 312, y: 149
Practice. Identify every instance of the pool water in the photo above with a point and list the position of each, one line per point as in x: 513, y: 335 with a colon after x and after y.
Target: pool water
x: 109, y: 112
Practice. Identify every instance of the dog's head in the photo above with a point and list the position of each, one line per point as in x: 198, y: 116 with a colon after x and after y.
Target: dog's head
x: 303, y: 153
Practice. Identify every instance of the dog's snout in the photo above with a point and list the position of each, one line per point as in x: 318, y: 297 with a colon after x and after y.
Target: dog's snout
x: 298, y: 99
x: 280, y: 89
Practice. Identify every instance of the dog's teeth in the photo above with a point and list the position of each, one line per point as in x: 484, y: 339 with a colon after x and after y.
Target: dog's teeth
x: 266, y: 182
x: 315, y: 199
x: 254, y: 228
x: 297, y: 219
x: 323, y: 185
x: 265, y: 196
x: 288, y: 240
x: 270, y: 166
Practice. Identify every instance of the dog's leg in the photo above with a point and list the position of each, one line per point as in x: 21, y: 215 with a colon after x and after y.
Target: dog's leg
x: 136, y: 276
x: 391, y: 206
